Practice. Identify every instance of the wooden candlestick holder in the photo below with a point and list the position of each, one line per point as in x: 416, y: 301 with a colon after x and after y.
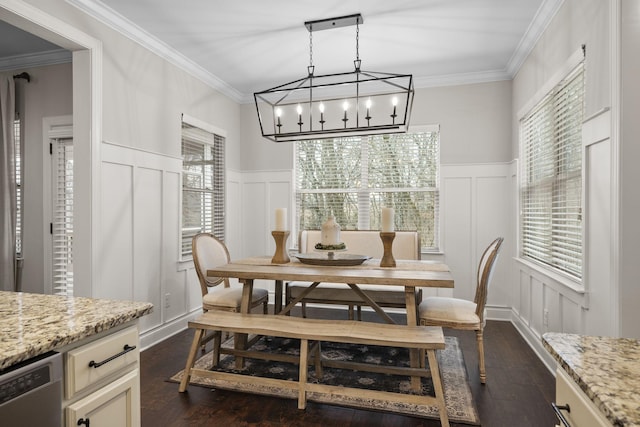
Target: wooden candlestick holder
x: 280, y: 256
x: 387, y: 241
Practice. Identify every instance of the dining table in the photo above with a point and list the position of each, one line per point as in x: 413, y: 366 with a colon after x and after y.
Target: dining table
x: 407, y: 274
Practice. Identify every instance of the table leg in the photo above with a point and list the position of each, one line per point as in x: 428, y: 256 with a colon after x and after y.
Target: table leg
x: 240, y: 340
x: 412, y: 320
x: 278, y: 302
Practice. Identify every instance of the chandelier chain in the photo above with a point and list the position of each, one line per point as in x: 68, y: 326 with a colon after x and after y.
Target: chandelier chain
x: 310, y: 46
x: 357, y: 40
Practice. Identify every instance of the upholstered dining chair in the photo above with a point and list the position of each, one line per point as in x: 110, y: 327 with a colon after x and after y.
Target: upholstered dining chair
x: 462, y: 314
x: 209, y: 252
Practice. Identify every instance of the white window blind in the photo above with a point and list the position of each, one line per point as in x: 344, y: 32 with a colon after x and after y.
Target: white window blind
x: 354, y: 178
x: 203, y: 185
x: 18, y: 170
x: 551, y: 178
x: 62, y: 225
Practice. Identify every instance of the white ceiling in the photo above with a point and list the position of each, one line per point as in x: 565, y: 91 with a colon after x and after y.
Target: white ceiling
x: 251, y: 45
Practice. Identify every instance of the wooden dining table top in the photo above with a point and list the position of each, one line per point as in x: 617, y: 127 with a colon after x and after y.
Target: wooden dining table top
x: 406, y: 273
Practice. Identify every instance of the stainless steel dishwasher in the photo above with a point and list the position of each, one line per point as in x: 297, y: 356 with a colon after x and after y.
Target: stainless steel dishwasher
x: 31, y: 392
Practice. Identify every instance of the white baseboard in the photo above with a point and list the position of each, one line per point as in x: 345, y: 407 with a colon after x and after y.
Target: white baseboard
x: 161, y: 333
x: 535, y: 343
x: 498, y: 313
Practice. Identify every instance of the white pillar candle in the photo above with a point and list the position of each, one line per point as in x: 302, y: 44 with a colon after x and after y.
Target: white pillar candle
x: 281, y: 219
x: 387, y: 220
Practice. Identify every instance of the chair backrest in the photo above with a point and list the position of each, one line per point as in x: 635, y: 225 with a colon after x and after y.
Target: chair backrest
x: 406, y: 244
x: 209, y: 252
x: 485, y: 272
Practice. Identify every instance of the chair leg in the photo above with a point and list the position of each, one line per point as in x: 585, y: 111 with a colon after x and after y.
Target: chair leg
x: 359, y: 312
x: 304, y: 309
x: 265, y: 308
x: 350, y: 311
x: 480, y: 339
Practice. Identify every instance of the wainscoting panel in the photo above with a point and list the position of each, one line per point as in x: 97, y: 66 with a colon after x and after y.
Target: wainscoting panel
x: 254, y: 219
x: 147, y: 243
x: 140, y: 226
x: 474, y: 211
x: 116, y: 232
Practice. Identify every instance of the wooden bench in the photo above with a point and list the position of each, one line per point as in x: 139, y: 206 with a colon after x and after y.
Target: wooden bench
x: 406, y: 245
x: 424, y: 338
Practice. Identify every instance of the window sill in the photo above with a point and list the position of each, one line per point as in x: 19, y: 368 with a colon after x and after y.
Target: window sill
x: 185, y: 264
x: 574, y: 285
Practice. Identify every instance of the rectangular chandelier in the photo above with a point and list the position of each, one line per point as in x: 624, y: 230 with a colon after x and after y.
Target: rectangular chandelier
x: 336, y: 105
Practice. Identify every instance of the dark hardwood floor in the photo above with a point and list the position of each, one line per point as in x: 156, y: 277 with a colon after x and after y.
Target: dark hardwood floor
x: 518, y: 393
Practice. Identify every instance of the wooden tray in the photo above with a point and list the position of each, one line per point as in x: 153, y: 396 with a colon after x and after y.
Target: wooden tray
x: 336, y: 259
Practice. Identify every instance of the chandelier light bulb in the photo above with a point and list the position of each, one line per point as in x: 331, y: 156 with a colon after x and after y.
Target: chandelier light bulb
x: 321, y: 107
x: 345, y: 106
x: 368, y: 103
x: 299, y: 109
x: 278, y: 112
x: 394, y: 101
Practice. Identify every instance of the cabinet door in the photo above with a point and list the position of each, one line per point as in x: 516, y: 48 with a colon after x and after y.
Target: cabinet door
x: 583, y: 412
x: 116, y: 404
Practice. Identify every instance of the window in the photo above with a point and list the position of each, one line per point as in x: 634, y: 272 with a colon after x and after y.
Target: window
x: 203, y: 182
x: 62, y: 219
x: 551, y: 178
x: 354, y: 178
x: 18, y: 168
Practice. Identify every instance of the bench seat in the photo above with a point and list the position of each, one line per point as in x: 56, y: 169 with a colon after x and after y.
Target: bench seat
x: 423, y: 338
x: 406, y: 245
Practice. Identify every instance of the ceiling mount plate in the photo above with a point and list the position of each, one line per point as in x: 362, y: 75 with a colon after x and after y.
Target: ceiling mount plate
x: 329, y: 23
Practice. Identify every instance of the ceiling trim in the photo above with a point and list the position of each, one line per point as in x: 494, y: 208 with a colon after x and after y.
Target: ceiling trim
x: 538, y: 25
x: 127, y: 28
x: 40, y: 59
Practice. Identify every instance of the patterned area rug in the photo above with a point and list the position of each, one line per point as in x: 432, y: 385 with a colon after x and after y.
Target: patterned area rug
x: 458, y: 398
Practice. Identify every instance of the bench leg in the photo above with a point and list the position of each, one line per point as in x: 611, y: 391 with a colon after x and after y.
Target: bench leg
x: 302, y: 379
x: 437, y: 386
x: 191, y: 360
x: 318, y: 360
x: 217, y: 342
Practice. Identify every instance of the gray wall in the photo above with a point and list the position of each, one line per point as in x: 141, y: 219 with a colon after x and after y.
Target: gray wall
x: 48, y: 94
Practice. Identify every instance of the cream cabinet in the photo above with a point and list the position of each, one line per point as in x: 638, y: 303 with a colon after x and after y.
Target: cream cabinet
x: 102, y: 382
x: 581, y: 412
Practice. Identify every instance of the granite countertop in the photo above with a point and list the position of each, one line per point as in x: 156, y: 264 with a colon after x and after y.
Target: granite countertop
x: 33, y: 324
x: 606, y: 369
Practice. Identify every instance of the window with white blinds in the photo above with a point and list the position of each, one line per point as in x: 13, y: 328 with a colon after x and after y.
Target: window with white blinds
x: 354, y: 178
x: 18, y: 170
x: 203, y: 185
x: 551, y: 178
x: 62, y: 221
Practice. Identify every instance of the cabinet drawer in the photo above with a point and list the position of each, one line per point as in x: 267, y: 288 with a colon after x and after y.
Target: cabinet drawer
x: 583, y: 412
x: 91, y: 363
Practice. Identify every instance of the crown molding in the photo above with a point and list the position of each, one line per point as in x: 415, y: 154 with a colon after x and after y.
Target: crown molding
x: 537, y: 27
x: 31, y: 60
x: 127, y: 28
x: 461, y: 79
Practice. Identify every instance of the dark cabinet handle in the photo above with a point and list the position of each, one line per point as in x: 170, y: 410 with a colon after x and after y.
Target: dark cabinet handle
x: 127, y: 349
x: 83, y: 421
x: 560, y: 415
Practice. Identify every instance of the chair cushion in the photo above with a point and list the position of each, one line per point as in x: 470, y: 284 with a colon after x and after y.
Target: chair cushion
x: 230, y: 297
x: 448, y: 311
x: 339, y: 292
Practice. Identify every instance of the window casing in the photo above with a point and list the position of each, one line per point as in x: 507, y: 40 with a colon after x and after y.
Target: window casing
x: 354, y: 178
x: 551, y: 178
x: 203, y: 185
